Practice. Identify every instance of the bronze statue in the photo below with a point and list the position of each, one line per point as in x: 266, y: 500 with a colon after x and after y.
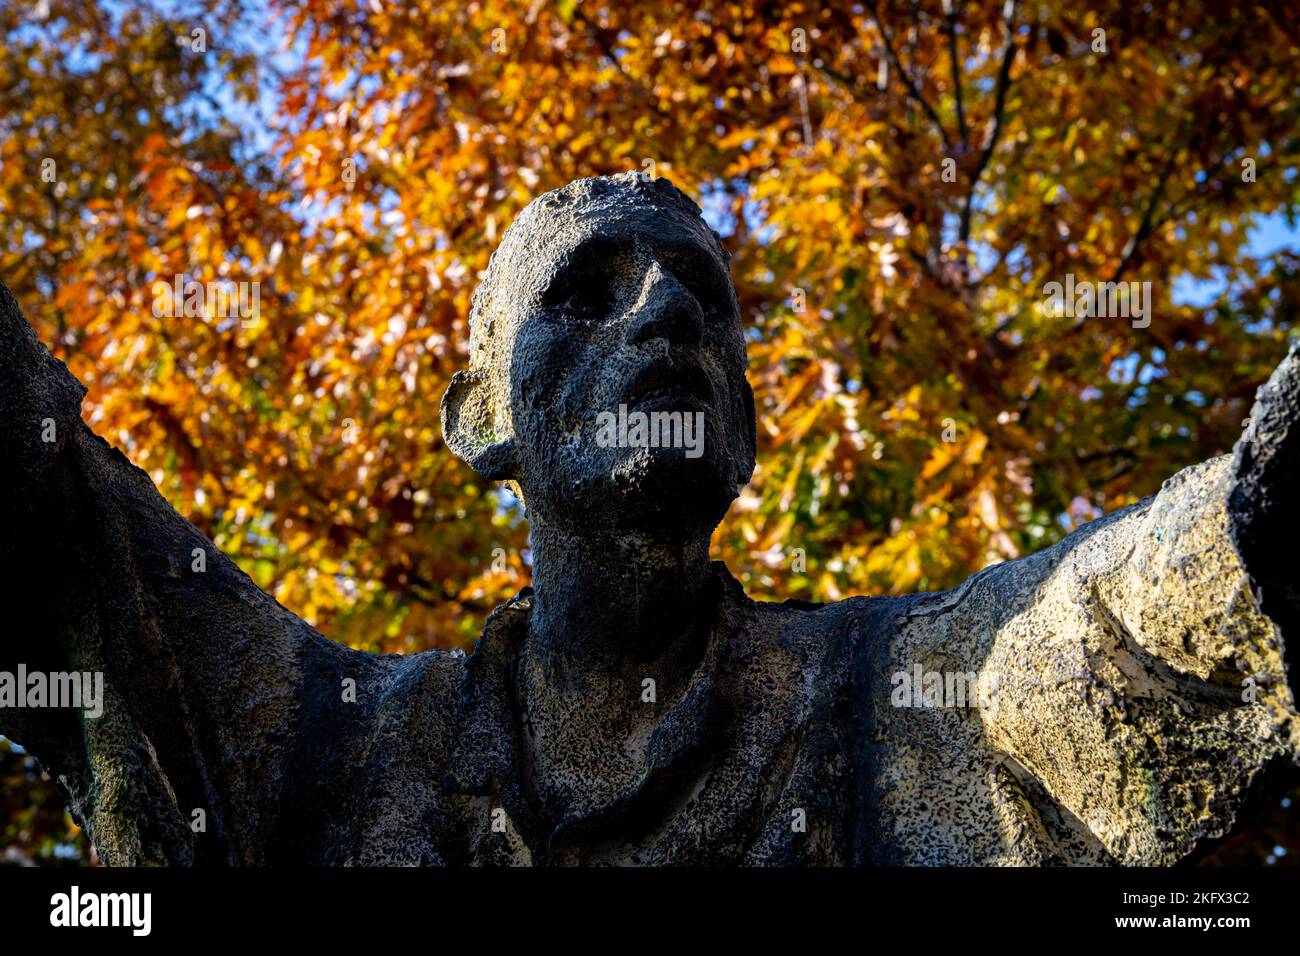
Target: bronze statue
x: 1118, y: 695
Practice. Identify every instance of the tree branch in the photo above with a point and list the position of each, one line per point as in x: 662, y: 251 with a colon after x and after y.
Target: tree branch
x: 995, y: 129
x: 956, y: 75
x: 913, y: 91
x: 1145, y: 227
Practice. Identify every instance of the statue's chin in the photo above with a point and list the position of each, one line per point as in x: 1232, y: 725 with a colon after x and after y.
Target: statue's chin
x: 653, y: 489
x: 671, y: 485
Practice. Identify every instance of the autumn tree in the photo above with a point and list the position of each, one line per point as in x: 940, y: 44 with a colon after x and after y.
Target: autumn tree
x: 897, y: 183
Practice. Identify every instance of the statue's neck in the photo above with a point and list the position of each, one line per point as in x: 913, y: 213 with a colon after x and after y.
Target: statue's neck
x: 607, y: 606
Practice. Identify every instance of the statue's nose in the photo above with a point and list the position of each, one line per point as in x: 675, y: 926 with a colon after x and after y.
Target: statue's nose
x: 667, y: 310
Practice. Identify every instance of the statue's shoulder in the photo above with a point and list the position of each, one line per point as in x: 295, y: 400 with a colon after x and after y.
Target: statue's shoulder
x: 813, y: 631
x: 437, y: 676
x: 392, y: 775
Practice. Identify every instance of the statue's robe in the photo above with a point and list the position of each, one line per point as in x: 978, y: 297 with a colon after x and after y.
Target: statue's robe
x: 1140, y: 698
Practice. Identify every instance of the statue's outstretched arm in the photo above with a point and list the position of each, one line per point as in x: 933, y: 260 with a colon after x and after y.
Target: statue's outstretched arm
x: 1136, y: 672
x: 1264, y: 504
x: 202, y: 672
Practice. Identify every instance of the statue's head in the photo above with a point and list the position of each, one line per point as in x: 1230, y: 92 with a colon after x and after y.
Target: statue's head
x: 606, y: 328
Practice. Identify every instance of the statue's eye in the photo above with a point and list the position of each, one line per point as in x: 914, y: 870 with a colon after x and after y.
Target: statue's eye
x: 591, y: 298
x: 699, y: 280
x: 585, y: 291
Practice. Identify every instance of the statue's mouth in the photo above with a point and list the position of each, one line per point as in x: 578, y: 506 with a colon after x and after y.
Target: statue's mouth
x: 665, y: 380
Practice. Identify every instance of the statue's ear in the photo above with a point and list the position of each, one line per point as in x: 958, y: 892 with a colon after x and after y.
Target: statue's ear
x: 750, y: 419
x: 471, y: 431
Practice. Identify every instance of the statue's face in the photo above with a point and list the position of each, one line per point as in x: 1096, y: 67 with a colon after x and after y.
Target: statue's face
x: 616, y: 330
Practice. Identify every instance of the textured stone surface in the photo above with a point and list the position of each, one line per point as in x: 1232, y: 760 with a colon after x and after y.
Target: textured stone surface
x: 1122, y: 658
x: 1118, y: 731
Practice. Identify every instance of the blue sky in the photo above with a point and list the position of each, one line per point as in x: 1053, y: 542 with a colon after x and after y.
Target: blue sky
x: 1269, y: 235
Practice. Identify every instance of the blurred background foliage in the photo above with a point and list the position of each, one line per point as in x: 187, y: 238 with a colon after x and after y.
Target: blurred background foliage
x: 919, y: 415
